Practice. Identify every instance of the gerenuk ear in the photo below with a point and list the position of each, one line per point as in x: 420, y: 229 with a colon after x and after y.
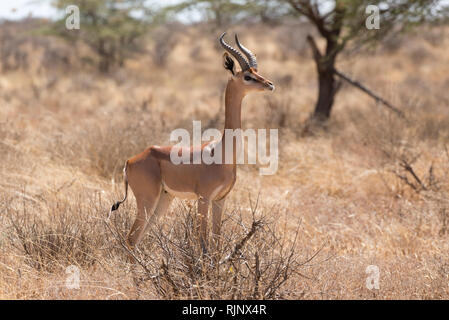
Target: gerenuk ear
x: 228, y: 63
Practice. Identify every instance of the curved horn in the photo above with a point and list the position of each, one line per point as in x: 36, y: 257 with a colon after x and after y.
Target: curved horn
x: 237, y: 55
x: 251, y: 57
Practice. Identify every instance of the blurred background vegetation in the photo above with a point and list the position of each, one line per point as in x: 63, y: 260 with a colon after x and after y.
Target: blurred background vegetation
x: 116, y: 29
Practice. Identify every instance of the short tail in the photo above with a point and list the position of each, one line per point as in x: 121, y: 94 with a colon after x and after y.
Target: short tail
x: 118, y: 203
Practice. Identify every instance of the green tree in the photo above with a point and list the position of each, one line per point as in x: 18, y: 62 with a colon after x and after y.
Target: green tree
x: 224, y: 12
x: 341, y: 22
x: 112, y: 28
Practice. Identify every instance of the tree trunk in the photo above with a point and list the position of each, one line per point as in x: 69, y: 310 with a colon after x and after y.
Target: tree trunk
x: 327, y: 90
x: 327, y: 84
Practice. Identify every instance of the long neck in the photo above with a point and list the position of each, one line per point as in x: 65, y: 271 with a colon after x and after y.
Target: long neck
x: 233, y: 107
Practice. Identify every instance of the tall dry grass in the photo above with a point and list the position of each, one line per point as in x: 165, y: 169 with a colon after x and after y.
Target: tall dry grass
x: 367, y: 188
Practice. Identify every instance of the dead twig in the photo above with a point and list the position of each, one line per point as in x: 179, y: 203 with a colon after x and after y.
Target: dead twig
x: 370, y: 93
x: 254, y: 226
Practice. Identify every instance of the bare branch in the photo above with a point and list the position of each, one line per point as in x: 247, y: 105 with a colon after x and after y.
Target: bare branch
x: 369, y: 92
x: 254, y: 227
x: 316, y: 52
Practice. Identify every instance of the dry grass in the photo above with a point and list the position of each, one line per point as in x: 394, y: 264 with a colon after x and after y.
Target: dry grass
x: 368, y: 189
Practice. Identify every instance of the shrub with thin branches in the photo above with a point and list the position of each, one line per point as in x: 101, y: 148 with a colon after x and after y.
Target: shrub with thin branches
x: 251, y: 260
